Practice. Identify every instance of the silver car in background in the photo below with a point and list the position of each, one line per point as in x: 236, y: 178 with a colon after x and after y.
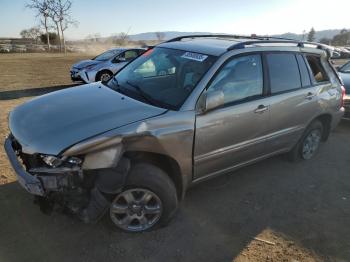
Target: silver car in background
x: 105, y: 65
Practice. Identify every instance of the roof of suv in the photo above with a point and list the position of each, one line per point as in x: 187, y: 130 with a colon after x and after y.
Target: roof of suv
x: 210, y: 46
x: 217, y: 45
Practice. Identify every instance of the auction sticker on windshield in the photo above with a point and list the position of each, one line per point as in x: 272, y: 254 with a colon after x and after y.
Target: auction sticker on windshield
x: 194, y: 56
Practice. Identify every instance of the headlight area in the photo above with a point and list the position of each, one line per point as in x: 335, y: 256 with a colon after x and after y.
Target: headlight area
x: 62, y: 180
x: 82, y: 184
x: 54, y: 161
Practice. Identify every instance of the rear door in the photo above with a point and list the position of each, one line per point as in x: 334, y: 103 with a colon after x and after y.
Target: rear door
x: 293, y: 99
x: 234, y: 134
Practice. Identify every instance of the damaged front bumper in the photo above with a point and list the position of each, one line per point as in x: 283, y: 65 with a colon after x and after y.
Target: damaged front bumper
x: 29, y: 182
x: 62, y: 187
x: 86, y: 194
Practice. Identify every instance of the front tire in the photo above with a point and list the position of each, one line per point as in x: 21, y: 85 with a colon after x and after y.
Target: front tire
x: 148, y: 200
x: 104, y: 76
x: 309, y: 143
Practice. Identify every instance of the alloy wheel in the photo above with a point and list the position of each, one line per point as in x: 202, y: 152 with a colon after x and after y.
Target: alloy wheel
x: 136, y: 210
x: 311, y: 144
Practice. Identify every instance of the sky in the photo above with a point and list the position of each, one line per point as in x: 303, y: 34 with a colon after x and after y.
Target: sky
x: 263, y: 17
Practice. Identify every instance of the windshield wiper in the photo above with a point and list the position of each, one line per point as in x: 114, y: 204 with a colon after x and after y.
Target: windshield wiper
x: 145, y: 96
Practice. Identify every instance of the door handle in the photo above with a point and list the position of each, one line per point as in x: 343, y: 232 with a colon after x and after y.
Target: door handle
x: 261, y: 109
x: 309, y: 96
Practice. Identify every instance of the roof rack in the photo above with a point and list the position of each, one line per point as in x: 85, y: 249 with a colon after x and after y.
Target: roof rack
x: 179, y: 38
x: 255, y: 39
x: 281, y: 41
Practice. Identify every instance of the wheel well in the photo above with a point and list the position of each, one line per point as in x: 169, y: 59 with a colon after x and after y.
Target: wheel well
x: 166, y: 163
x: 100, y: 72
x: 326, y: 121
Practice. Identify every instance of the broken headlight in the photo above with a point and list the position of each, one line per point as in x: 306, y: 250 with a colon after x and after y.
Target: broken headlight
x: 51, y: 160
x: 54, y: 161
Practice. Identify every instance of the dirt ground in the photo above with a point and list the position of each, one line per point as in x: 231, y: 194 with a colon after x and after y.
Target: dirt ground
x: 271, y: 211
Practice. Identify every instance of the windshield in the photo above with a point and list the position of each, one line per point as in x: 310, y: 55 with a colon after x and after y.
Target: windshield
x: 107, y: 55
x: 345, y: 68
x: 162, y: 77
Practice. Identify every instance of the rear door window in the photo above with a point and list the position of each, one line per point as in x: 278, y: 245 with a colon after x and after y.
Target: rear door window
x: 318, y: 73
x: 283, y: 71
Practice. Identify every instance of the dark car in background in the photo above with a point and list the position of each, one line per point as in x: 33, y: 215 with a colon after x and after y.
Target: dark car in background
x: 344, y: 73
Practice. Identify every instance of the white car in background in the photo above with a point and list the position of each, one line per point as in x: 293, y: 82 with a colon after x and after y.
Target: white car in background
x: 105, y: 65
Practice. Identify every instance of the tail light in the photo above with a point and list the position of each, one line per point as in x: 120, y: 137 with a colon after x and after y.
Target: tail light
x: 342, y: 96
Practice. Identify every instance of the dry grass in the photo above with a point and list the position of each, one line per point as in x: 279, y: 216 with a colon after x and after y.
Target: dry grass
x: 23, y: 71
x: 6, y: 173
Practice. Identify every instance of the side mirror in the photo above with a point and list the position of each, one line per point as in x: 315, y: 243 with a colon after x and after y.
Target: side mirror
x: 119, y: 60
x: 213, y: 100
x: 335, y: 55
x: 337, y: 68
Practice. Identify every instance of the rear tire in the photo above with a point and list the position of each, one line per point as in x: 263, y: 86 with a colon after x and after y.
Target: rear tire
x: 308, y: 145
x: 148, y: 200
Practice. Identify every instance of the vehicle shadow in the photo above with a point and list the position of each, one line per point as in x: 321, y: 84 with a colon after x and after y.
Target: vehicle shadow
x: 307, y: 202
x: 15, y: 94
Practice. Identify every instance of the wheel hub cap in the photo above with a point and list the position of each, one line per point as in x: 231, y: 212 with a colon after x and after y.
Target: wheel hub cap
x: 105, y: 77
x: 311, y: 144
x: 136, y: 209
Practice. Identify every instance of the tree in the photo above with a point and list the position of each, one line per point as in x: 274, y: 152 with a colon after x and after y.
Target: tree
x: 31, y: 33
x: 52, y: 36
x: 326, y: 41
x: 160, y: 36
x: 342, y: 39
x: 61, y: 10
x: 24, y: 33
x: 55, y: 19
x: 41, y: 8
x: 311, y: 35
x: 120, y: 39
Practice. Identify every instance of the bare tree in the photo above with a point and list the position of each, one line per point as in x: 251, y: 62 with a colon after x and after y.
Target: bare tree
x: 160, y: 36
x: 25, y: 33
x: 55, y: 19
x: 61, y: 11
x: 32, y: 33
x: 120, y: 39
x: 42, y: 11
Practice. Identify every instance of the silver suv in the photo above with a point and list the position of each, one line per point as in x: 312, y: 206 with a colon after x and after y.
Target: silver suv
x: 187, y: 110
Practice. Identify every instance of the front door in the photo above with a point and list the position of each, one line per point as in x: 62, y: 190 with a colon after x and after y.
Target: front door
x: 233, y: 134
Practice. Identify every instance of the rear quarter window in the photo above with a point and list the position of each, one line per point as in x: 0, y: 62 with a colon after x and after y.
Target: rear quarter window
x: 318, y: 73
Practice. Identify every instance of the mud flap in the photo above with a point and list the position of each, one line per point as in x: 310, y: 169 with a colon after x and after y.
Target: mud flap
x: 96, y: 208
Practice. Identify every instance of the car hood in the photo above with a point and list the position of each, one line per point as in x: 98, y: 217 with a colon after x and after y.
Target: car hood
x: 52, y: 123
x: 346, y: 79
x: 85, y: 63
